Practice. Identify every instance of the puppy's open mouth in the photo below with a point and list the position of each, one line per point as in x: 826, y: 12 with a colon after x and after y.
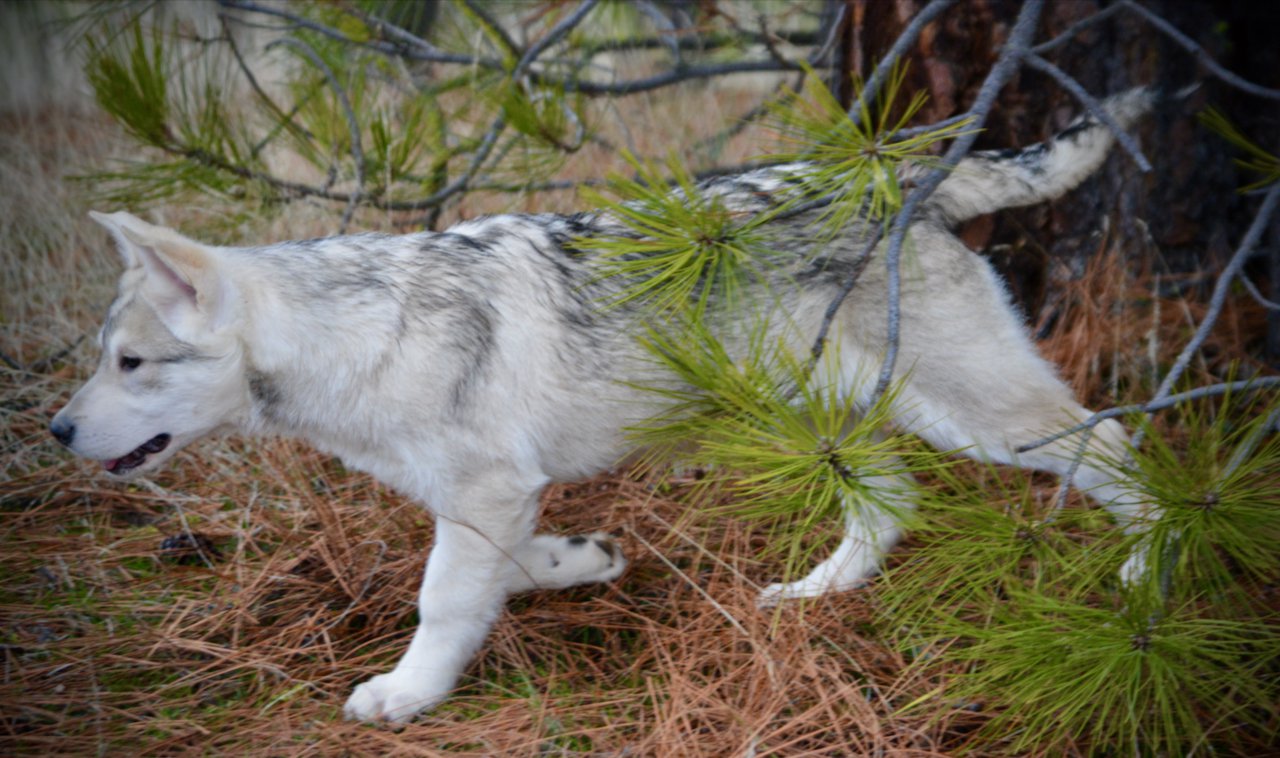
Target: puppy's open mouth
x: 138, y: 456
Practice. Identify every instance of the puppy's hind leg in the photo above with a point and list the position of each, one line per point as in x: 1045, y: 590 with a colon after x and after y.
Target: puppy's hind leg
x: 553, y: 562
x: 976, y: 383
x: 871, y: 530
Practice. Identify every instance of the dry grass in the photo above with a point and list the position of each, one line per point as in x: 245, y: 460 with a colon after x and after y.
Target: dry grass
x: 297, y: 579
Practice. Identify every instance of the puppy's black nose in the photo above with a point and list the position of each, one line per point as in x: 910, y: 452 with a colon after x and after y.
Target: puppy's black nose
x: 63, y: 431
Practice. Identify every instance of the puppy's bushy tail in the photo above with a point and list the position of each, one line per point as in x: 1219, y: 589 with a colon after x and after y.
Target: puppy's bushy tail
x: 987, y: 181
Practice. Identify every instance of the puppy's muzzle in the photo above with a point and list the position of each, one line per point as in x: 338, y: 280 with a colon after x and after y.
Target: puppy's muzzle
x: 63, y: 431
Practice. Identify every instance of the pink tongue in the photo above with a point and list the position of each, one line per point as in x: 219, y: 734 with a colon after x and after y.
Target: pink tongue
x: 111, y: 465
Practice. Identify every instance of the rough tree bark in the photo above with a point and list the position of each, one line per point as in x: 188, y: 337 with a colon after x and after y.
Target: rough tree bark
x: 1175, y: 219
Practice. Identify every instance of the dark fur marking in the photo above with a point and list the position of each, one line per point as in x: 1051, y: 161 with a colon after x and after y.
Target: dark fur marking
x: 474, y: 326
x: 832, y: 271
x: 607, y: 547
x: 266, y: 395
x: 1075, y: 129
x: 567, y: 230
x: 462, y: 239
x: 566, y: 273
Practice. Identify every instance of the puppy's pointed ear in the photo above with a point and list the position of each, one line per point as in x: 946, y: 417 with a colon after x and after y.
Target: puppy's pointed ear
x: 181, y: 278
x: 115, y: 223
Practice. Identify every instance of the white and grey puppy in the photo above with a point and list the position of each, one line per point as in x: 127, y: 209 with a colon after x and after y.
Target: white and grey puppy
x: 470, y: 368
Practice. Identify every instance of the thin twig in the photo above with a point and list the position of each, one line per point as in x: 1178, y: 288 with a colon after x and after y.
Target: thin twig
x: 1252, y: 289
x: 667, y: 30
x: 431, y: 55
x: 1200, y: 53
x: 1008, y: 62
x: 285, y: 121
x: 495, y: 129
x: 1251, y: 443
x: 48, y: 362
x: 743, y: 121
x: 691, y: 40
x: 705, y: 595
x: 1219, y: 297
x: 383, y: 26
x: 1094, y: 108
x: 357, y: 149
x: 860, y: 265
x: 552, y: 37
x: 833, y: 34
x: 899, y: 49
x: 487, y: 21
x: 1168, y: 401
x: 658, y: 81
x: 915, y: 131
x: 1071, y: 31
x: 1068, y: 479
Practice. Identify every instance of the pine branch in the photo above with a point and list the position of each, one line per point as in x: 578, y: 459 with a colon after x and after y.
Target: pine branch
x: 1153, y: 405
x: 898, y: 51
x: 1202, y: 55
x: 357, y: 150
x: 1070, y: 32
x: 428, y: 54
x: 1219, y: 297
x: 1092, y: 106
x: 1011, y: 57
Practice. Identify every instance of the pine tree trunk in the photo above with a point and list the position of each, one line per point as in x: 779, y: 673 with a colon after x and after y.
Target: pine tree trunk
x: 1184, y: 215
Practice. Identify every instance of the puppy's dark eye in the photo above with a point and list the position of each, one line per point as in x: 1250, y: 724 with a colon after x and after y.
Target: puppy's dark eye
x: 129, y: 362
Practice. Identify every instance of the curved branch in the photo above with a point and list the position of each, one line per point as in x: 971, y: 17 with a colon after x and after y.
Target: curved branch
x: 904, y: 42
x: 1015, y: 49
x: 357, y: 148
x: 1151, y: 406
x: 1202, y: 55
x: 555, y: 35
x: 1091, y: 105
x: 658, y: 81
x: 1219, y: 296
x: 419, y: 53
x: 1258, y: 297
x: 1071, y: 31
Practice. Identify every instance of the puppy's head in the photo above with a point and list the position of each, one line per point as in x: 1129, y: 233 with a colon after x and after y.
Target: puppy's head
x: 172, y: 367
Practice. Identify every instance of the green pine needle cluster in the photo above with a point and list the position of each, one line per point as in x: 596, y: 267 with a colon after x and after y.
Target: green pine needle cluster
x: 983, y: 536
x: 221, y: 119
x: 1216, y: 521
x: 1025, y: 596
x: 682, y: 251
x: 181, y: 109
x: 778, y: 444
x: 1117, y: 682
x: 854, y: 164
x: 1259, y: 160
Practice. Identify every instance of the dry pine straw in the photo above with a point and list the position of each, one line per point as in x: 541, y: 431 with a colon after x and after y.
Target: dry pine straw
x: 111, y: 640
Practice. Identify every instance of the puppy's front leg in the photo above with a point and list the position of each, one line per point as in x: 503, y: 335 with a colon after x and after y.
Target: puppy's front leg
x: 462, y: 594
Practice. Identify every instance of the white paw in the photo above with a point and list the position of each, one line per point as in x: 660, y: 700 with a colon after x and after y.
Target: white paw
x: 551, y: 562
x: 388, y: 697
x: 779, y: 592
x: 602, y: 559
